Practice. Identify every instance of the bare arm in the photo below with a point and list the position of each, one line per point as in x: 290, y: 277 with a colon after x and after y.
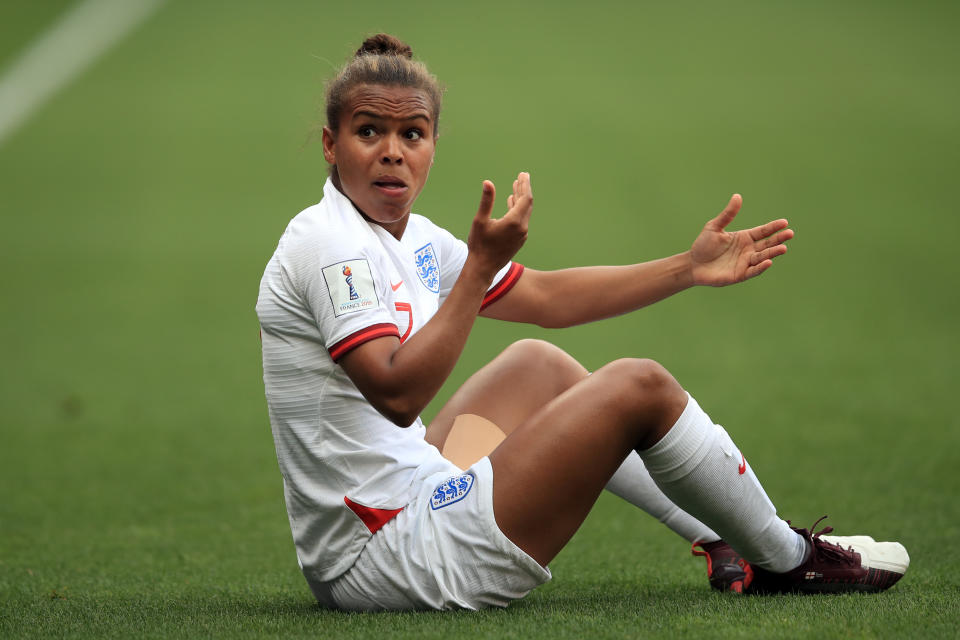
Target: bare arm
x: 569, y: 297
x: 400, y: 379
x: 574, y: 296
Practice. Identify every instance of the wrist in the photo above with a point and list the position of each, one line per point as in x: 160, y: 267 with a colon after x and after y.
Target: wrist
x: 481, y: 271
x: 685, y: 273
x: 474, y: 281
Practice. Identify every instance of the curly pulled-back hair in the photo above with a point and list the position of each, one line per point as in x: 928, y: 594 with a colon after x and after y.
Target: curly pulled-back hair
x: 381, y: 60
x: 384, y: 44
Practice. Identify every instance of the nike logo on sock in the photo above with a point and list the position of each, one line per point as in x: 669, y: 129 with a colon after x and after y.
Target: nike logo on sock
x: 743, y: 465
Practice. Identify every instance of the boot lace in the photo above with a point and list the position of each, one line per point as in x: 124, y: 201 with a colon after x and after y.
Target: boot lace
x: 828, y: 551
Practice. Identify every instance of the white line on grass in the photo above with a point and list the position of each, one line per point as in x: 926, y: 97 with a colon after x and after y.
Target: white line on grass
x: 64, y: 51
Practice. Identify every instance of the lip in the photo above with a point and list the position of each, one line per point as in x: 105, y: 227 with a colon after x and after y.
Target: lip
x: 390, y: 185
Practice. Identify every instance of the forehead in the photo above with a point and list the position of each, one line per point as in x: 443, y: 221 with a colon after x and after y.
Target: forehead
x: 401, y: 103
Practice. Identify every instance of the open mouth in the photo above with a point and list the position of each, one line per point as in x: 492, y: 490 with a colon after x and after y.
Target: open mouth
x: 390, y: 183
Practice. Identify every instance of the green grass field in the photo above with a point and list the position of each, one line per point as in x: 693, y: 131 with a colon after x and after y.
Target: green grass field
x: 139, y: 489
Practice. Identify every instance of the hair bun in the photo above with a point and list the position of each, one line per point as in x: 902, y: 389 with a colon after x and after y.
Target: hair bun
x: 383, y: 44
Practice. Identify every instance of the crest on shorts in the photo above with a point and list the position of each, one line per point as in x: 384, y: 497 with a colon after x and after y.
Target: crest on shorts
x: 452, y: 490
x: 428, y: 269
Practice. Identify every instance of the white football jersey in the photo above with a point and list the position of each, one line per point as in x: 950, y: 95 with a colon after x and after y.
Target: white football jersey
x: 335, y: 282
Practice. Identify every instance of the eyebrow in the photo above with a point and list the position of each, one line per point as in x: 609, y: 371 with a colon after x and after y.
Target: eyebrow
x: 380, y: 116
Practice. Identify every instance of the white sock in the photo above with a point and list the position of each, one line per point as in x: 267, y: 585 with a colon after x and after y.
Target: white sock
x: 632, y: 483
x: 698, y: 467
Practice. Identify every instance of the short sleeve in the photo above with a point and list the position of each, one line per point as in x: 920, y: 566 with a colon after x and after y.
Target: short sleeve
x: 506, y: 278
x: 345, y: 295
x: 355, y: 312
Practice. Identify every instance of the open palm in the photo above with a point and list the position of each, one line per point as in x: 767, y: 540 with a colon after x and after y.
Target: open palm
x: 720, y: 257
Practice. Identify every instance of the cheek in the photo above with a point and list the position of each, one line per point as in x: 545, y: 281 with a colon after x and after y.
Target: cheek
x: 350, y: 163
x: 423, y: 163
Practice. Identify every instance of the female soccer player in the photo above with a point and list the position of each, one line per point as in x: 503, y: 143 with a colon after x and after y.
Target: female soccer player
x: 365, y: 308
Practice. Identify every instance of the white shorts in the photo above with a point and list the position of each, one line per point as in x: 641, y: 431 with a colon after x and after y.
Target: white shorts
x: 443, y: 551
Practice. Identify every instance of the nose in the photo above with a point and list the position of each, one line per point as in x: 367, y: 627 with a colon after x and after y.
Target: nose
x: 392, y: 153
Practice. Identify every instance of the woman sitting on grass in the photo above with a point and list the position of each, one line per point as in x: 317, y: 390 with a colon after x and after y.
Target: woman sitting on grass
x: 365, y: 308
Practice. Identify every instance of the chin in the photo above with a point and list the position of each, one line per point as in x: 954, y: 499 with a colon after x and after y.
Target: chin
x: 392, y: 212
x: 388, y: 216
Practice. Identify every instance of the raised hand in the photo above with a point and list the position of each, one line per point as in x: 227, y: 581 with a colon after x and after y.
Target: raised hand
x: 494, y: 242
x: 720, y: 257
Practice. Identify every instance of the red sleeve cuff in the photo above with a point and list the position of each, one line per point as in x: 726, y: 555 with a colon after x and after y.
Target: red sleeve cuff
x: 357, y: 338
x: 501, y: 288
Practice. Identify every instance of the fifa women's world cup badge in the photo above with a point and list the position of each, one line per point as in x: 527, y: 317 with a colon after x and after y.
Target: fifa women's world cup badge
x: 348, y: 276
x: 350, y: 285
x: 428, y: 269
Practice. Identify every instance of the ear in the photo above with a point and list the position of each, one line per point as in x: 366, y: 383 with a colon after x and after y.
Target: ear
x: 329, y: 146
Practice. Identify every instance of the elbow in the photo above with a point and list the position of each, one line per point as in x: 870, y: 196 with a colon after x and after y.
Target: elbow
x: 552, y: 323
x: 399, y: 412
x: 399, y: 403
x: 403, y: 420
x: 555, y: 321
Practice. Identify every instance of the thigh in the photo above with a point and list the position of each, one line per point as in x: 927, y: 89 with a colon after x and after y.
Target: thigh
x: 521, y: 380
x: 551, y: 469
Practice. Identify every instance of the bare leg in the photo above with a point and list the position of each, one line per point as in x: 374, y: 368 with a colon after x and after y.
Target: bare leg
x: 571, y: 432
x: 516, y: 384
x: 551, y: 469
x: 522, y: 380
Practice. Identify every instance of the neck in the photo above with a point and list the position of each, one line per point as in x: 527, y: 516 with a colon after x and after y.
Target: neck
x: 395, y: 229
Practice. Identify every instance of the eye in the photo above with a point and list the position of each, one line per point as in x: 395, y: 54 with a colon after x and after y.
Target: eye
x: 414, y: 134
x: 366, y: 131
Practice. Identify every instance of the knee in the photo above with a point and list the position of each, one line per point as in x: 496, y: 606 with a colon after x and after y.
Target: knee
x: 539, y: 357
x: 531, y: 350
x: 646, y: 383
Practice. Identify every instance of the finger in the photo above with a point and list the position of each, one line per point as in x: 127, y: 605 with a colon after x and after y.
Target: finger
x: 768, y: 254
x: 518, y: 186
x: 754, y: 271
x: 510, y: 201
x: 525, y: 184
x: 523, y: 203
x: 775, y: 239
x: 769, y: 229
x: 487, y: 197
x: 728, y: 214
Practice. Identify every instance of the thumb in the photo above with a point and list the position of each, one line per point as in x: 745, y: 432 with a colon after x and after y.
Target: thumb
x: 729, y: 213
x: 487, y: 198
